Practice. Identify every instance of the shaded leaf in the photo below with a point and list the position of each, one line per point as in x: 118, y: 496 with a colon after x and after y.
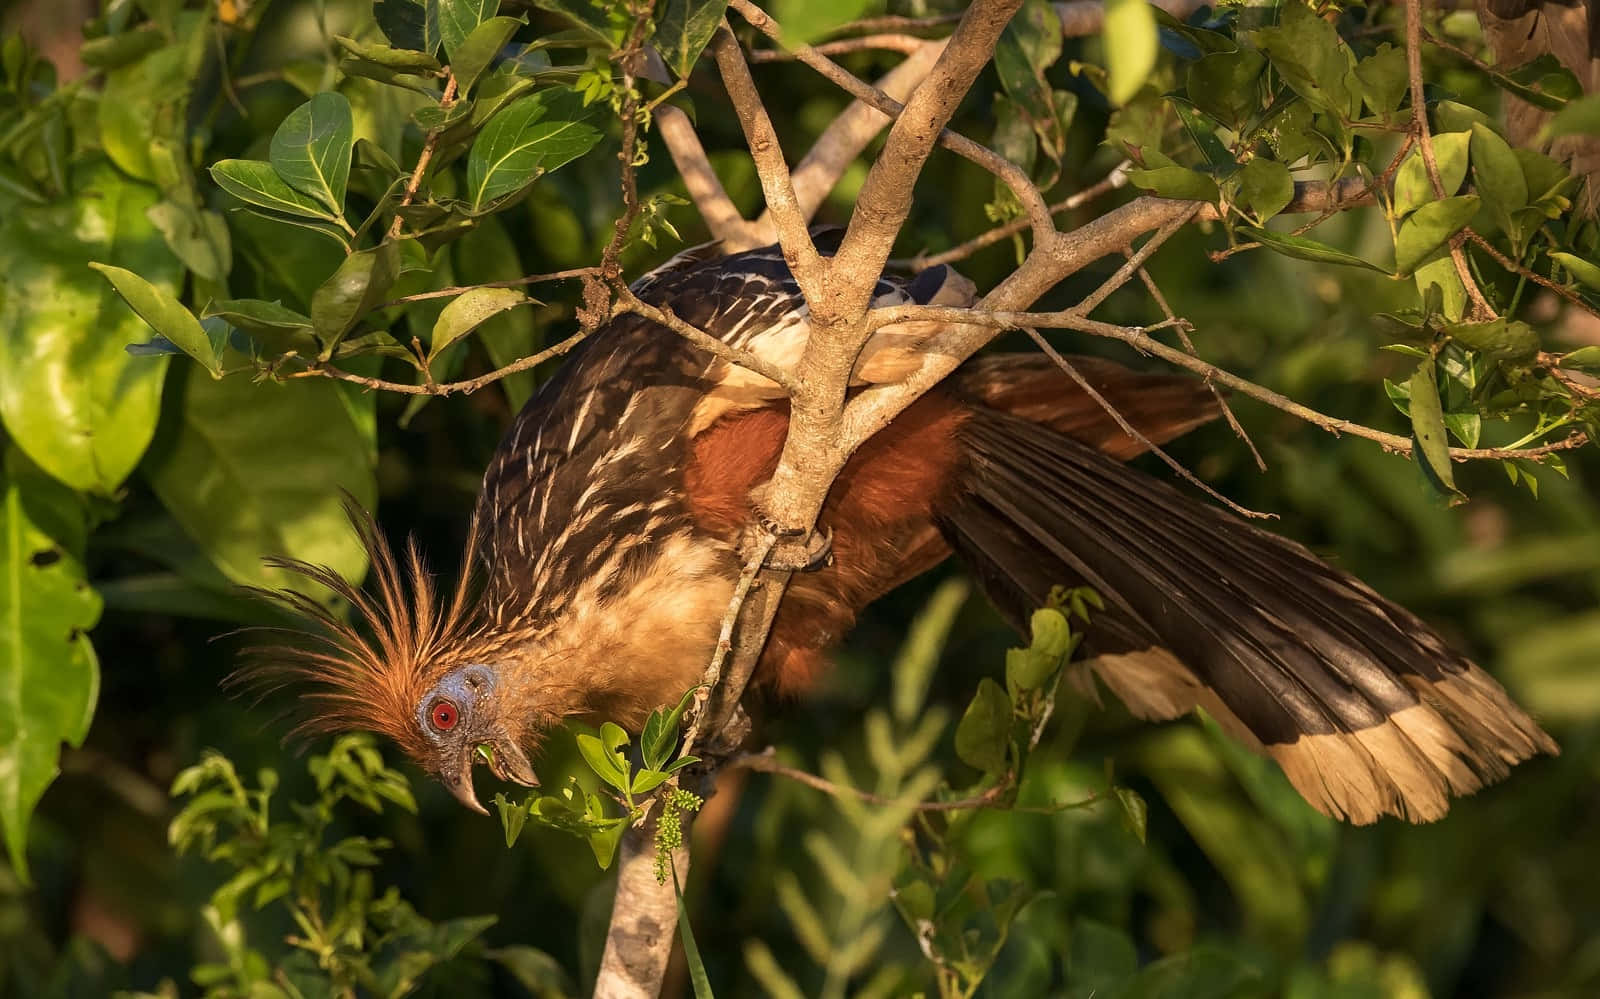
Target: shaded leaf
x: 1427, y: 427
x: 479, y: 49
x: 361, y: 283
x: 409, y: 24
x: 458, y: 19
x: 983, y: 736
x: 1305, y: 248
x: 1265, y: 187
x: 51, y: 675
x: 399, y: 60
x: 683, y: 30
x: 1579, y: 117
x: 255, y: 469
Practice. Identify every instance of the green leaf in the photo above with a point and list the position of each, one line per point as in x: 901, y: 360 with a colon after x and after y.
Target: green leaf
x: 311, y: 149
x: 1437, y: 275
x: 256, y: 183
x: 660, y: 734
x: 1304, y: 248
x: 983, y: 737
x: 1496, y: 171
x: 1584, y: 270
x: 1131, y: 45
x: 919, y: 653
x: 1383, y: 78
x: 71, y: 397
x: 1429, y: 227
x: 683, y: 30
x: 409, y: 24
x: 399, y: 60
x: 1224, y: 84
x: 691, y: 952
x: 809, y: 20
x: 199, y: 238
x: 1586, y: 359
x: 606, y: 763
x: 51, y: 676
x: 1579, y: 117
x: 1308, y: 53
x: 165, y: 314
x: 1412, y: 185
x: 533, y: 136
x: 479, y: 49
x: 1427, y: 427
x: 359, y: 285
x: 1507, y: 339
x: 279, y: 328
x: 1172, y: 181
x: 459, y: 18
x: 1029, y: 46
x: 467, y: 312
x: 645, y: 781
x: 1265, y: 187
x: 252, y: 470
x: 1135, y: 814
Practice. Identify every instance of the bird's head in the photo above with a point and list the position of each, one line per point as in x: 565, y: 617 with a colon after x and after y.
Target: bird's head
x: 462, y: 723
x: 431, y: 678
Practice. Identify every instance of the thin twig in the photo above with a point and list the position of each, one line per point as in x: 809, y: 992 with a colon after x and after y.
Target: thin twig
x: 1133, y: 432
x: 1419, y: 114
x: 1531, y: 275
x: 318, y: 369
x: 423, y: 296
x: 1188, y: 344
x: 1013, y: 176
x: 730, y: 619
x: 845, y: 46
x: 424, y: 158
x: 627, y: 301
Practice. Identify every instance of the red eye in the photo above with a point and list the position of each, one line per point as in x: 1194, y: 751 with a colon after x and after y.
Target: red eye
x: 444, y: 715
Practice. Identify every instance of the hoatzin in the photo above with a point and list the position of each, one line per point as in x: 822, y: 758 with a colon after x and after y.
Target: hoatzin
x: 607, y: 543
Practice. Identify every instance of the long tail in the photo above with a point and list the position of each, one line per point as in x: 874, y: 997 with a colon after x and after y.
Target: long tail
x: 1364, y: 706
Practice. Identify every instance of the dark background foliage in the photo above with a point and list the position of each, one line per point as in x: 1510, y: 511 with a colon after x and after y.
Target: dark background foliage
x: 1254, y: 892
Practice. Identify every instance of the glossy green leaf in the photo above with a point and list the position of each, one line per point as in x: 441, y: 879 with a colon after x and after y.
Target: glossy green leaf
x: 533, y: 136
x: 1305, y: 248
x: 72, y: 398
x: 360, y: 284
x: 1412, y: 185
x: 1429, y: 227
x: 310, y: 151
x: 399, y: 60
x: 255, y: 182
x: 475, y: 52
x: 1427, y: 427
x: 165, y: 314
x: 606, y: 764
x: 468, y: 311
x: 660, y: 735
x: 459, y: 18
x: 51, y: 677
x: 983, y: 736
x: 683, y: 30
x: 1131, y: 46
x: 409, y: 24
x: 255, y: 469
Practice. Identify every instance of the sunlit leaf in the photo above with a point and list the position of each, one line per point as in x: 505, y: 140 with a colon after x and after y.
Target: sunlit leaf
x: 1429, y: 227
x: 1131, y: 47
x: 165, y: 314
x: 683, y: 30
x: 983, y: 737
x: 310, y: 151
x: 255, y: 182
x: 1305, y: 248
x: 533, y: 136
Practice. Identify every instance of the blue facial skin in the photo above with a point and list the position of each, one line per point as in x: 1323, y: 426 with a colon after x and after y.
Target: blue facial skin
x: 465, y: 687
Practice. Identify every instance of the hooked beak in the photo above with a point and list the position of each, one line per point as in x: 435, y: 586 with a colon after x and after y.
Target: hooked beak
x: 506, y: 760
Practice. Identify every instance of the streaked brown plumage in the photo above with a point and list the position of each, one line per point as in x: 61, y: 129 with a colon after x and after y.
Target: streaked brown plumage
x: 607, y: 534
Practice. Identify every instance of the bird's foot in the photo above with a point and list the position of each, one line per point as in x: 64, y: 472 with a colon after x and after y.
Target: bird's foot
x: 792, y: 551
